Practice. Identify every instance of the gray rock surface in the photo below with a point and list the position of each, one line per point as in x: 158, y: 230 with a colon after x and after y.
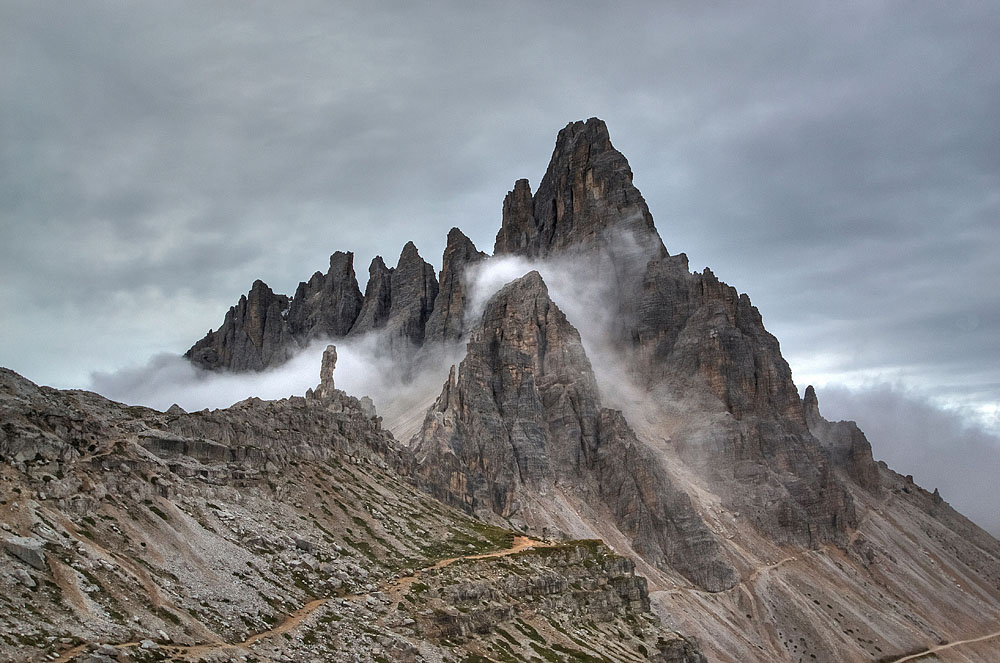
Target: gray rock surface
x: 523, y: 414
x: 378, y: 298
x: 328, y: 304
x: 29, y: 550
x: 447, y: 320
x: 253, y: 336
x: 684, y: 336
x: 847, y: 445
x: 399, y: 301
x: 585, y: 200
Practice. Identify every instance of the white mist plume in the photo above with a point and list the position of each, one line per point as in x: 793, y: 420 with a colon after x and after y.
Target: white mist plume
x: 363, y: 369
x: 583, y: 287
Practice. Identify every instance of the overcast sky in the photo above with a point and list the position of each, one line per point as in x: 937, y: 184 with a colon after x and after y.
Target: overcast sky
x: 839, y: 162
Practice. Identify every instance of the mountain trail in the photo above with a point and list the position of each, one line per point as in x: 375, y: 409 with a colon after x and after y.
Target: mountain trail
x: 519, y: 544
x: 933, y: 650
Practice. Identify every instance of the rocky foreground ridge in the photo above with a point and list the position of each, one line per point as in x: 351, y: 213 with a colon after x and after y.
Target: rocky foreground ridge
x: 276, y: 531
x: 561, y: 497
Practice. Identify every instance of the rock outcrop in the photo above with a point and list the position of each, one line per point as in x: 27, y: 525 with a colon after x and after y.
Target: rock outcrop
x: 399, y: 301
x: 585, y: 200
x: 523, y: 416
x: 378, y: 298
x: 208, y: 535
x: 447, y: 320
x: 254, y: 335
x: 327, y: 305
x: 847, y: 445
x: 264, y: 330
x: 682, y: 334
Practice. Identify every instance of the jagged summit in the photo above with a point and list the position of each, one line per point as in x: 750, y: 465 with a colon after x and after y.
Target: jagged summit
x: 399, y: 300
x: 763, y: 528
x: 586, y: 200
x: 253, y: 336
x: 522, y: 420
x: 328, y: 304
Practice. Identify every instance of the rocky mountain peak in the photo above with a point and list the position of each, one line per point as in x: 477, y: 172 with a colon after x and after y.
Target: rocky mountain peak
x: 522, y: 417
x: 327, y: 305
x: 253, y: 335
x: 399, y: 300
x: 446, y: 322
x: 586, y: 200
x: 810, y: 404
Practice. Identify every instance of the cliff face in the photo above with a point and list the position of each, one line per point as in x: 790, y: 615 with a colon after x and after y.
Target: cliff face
x: 264, y: 330
x: 682, y: 334
x: 253, y: 336
x: 447, y: 320
x: 523, y: 417
x: 327, y: 305
x: 848, y: 448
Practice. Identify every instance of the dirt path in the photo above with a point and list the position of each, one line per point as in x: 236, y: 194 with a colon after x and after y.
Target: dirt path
x: 520, y: 544
x: 768, y: 567
x: 938, y: 648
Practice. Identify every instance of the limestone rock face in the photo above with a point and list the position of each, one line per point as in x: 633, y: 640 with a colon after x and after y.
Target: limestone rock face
x: 253, y: 336
x: 447, y: 320
x: 327, y: 305
x: 378, y: 298
x: 586, y: 199
x: 684, y: 336
x: 399, y: 300
x: 265, y: 329
x: 523, y: 415
x: 849, y: 449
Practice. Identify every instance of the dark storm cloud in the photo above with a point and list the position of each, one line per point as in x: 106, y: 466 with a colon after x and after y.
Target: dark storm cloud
x: 838, y: 163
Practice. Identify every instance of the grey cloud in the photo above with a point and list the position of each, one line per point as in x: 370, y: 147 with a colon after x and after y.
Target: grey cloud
x: 936, y: 446
x: 839, y: 164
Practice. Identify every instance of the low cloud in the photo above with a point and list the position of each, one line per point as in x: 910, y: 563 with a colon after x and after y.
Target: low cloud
x: 938, y: 447
x: 363, y: 369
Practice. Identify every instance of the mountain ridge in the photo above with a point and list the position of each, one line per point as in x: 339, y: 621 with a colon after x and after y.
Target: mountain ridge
x: 672, y: 430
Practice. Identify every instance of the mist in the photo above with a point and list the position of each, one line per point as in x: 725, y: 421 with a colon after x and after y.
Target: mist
x: 364, y: 368
x: 939, y: 447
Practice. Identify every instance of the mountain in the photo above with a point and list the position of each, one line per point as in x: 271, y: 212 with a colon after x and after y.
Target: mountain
x: 619, y: 467
x: 276, y: 531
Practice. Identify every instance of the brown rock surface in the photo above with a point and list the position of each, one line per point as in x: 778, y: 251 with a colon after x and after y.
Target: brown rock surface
x: 273, y: 530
